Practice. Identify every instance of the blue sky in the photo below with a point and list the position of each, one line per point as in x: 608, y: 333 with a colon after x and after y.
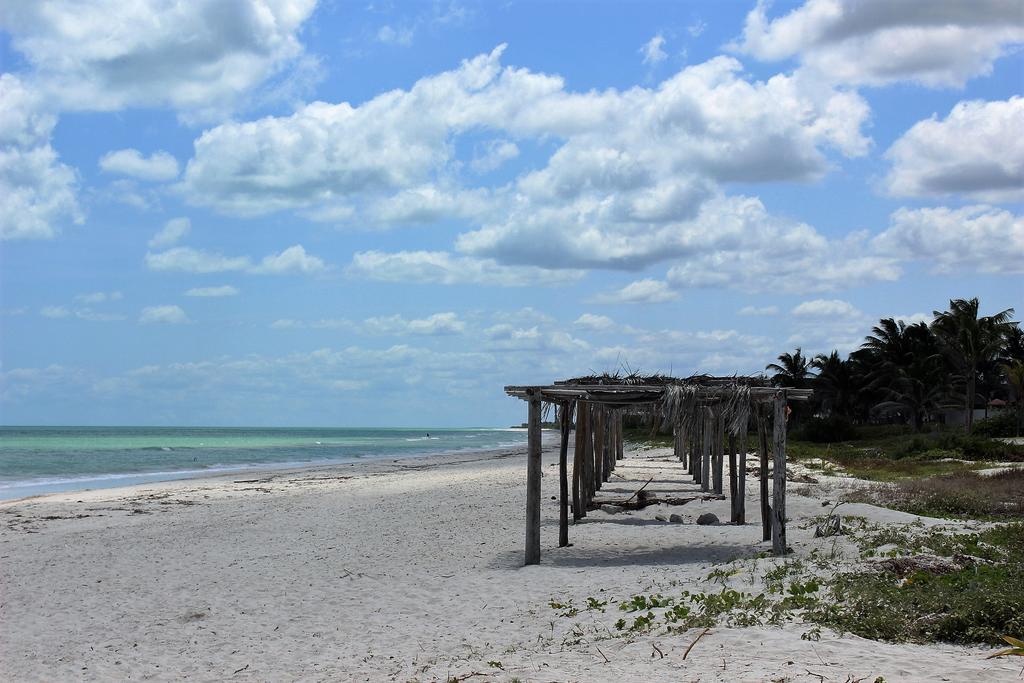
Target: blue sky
x: 256, y: 212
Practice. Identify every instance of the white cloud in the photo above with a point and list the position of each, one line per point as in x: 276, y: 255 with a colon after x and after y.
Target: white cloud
x: 98, y: 297
x: 876, y: 42
x: 970, y: 239
x: 200, y: 56
x: 505, y: 337
x: 653, y: 50
x: 395, y: 36
x: 97, y: 316
x: 171, y: 233
x: 758, y: 310
x: 443, y: 268
x: 630, y: 159
x: 222, y: 290
x: 683, y: 353
x: 770, y: 254
x: 646, y: 291
x: 54, y: 312
x: 189, y: 260
x: 428, y: 204
x: 321, y: 324
x: 977, y: 151
x: 595, y: 323
x: 696, y: 28
x: 169, y: 314
x: 493, y: 154
x: 437, y: 324
x: 294, y: 259
x: 826, y: 308
x: 159, y: 166
x: 37, y: 191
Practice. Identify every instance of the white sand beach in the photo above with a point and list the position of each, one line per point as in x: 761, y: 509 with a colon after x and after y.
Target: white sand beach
x: 401, y: 571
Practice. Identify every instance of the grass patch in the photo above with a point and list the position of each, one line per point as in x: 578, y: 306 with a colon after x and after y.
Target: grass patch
x: 978, y: 602
x: 881, y: 454
x: 963, y: 495
x: 916, y: 585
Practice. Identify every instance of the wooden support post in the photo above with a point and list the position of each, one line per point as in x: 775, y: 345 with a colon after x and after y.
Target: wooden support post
x: 579, y: 508
x: 695, y: 441
x: 733, y: 481
x: 620, y: 448
x: 533, y: 474
x: 766, y: 511
x: 779, y: 476
x: 588, y: 460
x: 741, y: 482
x: 599, y: 461
x: 563, y: 477
x: 719, y: 447
x: 705, y: 467
x: 609, y: 454
x: 677, y: 450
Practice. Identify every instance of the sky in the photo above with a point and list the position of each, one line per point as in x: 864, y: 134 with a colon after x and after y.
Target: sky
x: 301, y: 213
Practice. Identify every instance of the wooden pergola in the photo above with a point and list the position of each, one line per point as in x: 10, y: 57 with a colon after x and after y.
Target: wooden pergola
x: 710, y: 416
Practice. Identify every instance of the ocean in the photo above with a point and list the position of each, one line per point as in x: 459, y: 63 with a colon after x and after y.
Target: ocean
x: 36, y: 460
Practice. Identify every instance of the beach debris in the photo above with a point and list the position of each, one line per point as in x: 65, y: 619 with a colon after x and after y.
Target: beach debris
x: 661, y: 518
x: 832, y: 526
x: 930, y: 564
x: 702, y: 634
x: 678, y: 519
x: 611, y: 509
x: 708, y: 518
x: 639, y: 491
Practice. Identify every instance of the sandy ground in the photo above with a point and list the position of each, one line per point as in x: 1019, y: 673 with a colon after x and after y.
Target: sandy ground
x: 408, y: 571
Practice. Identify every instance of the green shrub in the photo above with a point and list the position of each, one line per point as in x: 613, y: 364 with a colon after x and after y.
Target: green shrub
x: 1001, y: 424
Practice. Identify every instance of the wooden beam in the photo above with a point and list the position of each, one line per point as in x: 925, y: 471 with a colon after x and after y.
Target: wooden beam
x: 588, y: 460
x: 719, y: 446
x: 579, y: 508
x: 733, y: 481
x: 766, y: 511
x: 563, y: 477
x: 533, y: 474
x: 779, y: 476
x: 705, y: 468
x: 695, y: 441
x: 741, y: 482
x: 620, y: 445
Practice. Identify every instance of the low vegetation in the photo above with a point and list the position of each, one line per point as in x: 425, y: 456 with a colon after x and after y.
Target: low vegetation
x: 912, y: 585
x: 964, y: 495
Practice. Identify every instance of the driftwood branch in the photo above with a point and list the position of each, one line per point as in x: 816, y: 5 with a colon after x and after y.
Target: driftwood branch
x: 639, y: 489
x: 629, y: 504
x: 703, y: 633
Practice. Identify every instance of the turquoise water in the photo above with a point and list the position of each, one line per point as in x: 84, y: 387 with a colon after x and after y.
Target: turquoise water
x: 36, y: 460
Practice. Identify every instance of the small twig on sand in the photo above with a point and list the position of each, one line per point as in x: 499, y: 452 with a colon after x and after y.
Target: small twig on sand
x: 703, y: 633
x: 606, y: 660
x: 639, y: 490
x: 658, y: 651
x: 241, y: 670
x: 820, y: 677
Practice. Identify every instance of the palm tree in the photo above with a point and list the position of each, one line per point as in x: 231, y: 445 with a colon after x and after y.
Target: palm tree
x: 1015, y: 376
x: 968, y: 341
x: 792, y: 370
x: 836, y: 385
x: 904, y: 366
